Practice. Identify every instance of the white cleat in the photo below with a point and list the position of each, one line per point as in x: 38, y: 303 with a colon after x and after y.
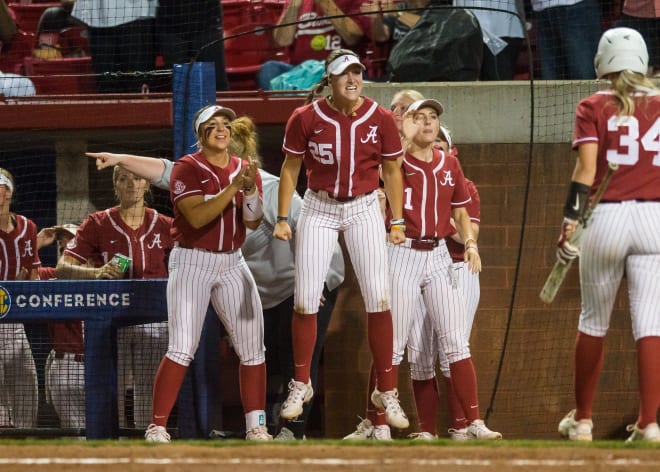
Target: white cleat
x: 650, y: 433
x: 285, y: 434
x: 575, y: 430
x: 389, y: 402
x: 478, y: 430
x: 258, y: 433
x: 382, y: 433
x: 423, y: 436
x: 299, y: 394
x: 157, y: 434
x: 364, y: 430
x: 459, y: 434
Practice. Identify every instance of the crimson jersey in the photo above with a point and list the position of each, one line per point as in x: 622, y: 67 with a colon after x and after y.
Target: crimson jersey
x: 430, y: 191
x: 18, y: 248
x: 317, y: 36
x: 342, y: 153
x: 194, y: 175
x: 457, y: 250
x: 65, y: 336
x: 104, y: 234
x: 633, y: 142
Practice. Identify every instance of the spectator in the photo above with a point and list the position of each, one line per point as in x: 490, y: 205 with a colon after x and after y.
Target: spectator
x: 52, y: 22
x: 392, y: 26
x: 8, y: 26
x: 185, y: 29
x: 65, y: 368
x: 143, y: 234
x: 503, y: 36
x: 18, y: 261
x: 316, y: 35
x: 121, y: 39
x: 644, y: 16
x: 567, y: 34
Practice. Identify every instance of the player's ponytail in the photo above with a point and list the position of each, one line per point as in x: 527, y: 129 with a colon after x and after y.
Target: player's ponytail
x: 627, y: 83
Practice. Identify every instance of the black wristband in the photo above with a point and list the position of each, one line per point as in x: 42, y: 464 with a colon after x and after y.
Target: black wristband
x: 576, y: 202
x: 282, y: 218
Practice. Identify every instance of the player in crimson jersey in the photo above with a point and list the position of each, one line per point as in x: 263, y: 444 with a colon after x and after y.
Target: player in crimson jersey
x: 620, y: 125
x: 216, y: 196
x: 141, y: 233
x: 65, y: 368
x: 343, y: 139
x: 18, y: 261
x: 436, y: 192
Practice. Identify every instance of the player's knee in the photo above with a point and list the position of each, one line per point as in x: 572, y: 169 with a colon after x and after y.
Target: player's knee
x: 421, y: 372
x: 252, y: 358
x: 182, y: 358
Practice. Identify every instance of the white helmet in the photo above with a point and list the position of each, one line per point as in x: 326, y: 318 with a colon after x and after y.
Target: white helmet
x: 621, y: 49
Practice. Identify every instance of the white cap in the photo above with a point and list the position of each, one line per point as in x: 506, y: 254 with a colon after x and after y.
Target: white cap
x: 444, y: 131
x: 339, y: 65
x: 4, y: 180
x: 429, y: 102
x: 209, y: 112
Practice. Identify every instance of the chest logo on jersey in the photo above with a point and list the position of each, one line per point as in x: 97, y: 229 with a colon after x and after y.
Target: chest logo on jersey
x: 371, y: 136
x: 448, y: 180
x: 179, y: 187
x: 27, y: 249
x: 155, y: 242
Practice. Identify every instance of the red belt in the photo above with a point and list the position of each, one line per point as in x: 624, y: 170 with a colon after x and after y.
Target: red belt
x: 424, y: 244
x: 70, y: 356
x: 345, y: 199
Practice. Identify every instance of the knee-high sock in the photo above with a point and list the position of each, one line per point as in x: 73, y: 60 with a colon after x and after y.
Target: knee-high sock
x: 167, y: 384
x: 379, y: 332
x: 464, y: 380
x: 648, y: 371
x: 252, y: 380
x: 458, y: 419
x: 426, y: 401
x: 588, y: 365
x: 303, y: 333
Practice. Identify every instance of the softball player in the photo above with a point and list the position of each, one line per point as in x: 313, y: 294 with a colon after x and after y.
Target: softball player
x: 65, y: 366
x: 436, y: 191
x: 216, y: 196
x: 18, y: 261
x: 142, y: 234
x: 343, y: 139
x: 620, y: 125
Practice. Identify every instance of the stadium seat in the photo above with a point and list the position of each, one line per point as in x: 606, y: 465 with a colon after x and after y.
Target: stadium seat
x: 240, y: 12
x: 375, y: 60
x: 69, y: 75
x: 247, y: 51
x: 12, y: 54
x: 74, y: 41
x: 28, y: 15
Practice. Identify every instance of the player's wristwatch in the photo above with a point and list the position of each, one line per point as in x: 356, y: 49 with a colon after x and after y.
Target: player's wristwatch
x: 282, y: 218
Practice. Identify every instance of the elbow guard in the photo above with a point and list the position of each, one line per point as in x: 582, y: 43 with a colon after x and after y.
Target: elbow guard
x: 577, y: 200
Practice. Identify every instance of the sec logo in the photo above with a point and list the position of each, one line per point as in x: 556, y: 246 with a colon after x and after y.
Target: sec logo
x: 5, y: 302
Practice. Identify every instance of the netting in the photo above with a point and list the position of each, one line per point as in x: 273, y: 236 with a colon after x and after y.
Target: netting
x: 513, y: 138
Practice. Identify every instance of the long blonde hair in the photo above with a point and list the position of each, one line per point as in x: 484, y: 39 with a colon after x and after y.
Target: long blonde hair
x: 244, y: 140
x: 625, y: 84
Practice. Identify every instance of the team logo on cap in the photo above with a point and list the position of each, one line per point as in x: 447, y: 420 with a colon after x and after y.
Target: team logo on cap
x: 5, y: 302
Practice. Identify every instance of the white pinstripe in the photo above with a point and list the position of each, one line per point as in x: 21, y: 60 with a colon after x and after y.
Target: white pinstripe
x: 621, y: 237
x: 429, y: 276
x: 197, y: 277
x: 321, y: 219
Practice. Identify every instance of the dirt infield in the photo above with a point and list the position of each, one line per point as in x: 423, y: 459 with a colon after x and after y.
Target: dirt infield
x: 317, y: 456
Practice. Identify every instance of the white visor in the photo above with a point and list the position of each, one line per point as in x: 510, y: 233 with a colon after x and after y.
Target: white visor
x: 211, y: 112
x: 4, y: 180
x: 429, y: 102
x: 339, y: 65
